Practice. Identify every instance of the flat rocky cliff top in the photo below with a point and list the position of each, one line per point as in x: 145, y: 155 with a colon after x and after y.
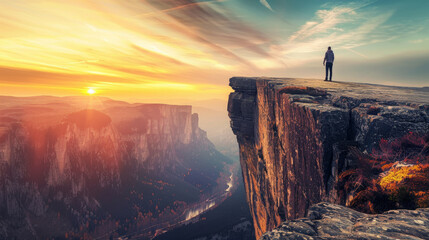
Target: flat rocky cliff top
x: 349, y: 89
x: 296, y: 138
x: 330, y: 221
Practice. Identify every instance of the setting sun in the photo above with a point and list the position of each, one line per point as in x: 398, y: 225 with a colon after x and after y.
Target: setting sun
x: 90, y: 91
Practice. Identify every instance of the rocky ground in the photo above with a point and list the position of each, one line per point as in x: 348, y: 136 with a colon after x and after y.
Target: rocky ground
x: 331, y: 221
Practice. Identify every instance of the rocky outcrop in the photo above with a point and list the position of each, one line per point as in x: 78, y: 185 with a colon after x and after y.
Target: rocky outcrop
x: 292, y: 133
x: 330, y: 221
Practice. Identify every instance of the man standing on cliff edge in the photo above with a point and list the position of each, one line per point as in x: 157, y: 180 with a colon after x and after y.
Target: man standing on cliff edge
x: 329, y: 59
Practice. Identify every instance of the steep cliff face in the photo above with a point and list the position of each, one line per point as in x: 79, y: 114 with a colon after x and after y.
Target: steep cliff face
x: 82, y: 165
x: 292, y: 132
x: 87, y: 148
x: 153, y: 132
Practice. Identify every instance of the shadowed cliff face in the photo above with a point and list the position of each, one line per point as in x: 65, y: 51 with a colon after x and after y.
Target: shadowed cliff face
x: 290, y: 133
x: 85, y: 146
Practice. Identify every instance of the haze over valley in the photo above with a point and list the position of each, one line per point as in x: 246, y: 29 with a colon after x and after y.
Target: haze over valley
x: 96, y: 167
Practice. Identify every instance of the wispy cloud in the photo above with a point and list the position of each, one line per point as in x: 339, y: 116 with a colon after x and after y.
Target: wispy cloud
x: 343, y: 27
x: 418, y: 41
x: 266, y: 4
x: 212, y: 26
x: 325, y: 21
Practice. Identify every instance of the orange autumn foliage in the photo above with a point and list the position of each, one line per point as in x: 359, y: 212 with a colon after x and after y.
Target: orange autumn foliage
x: 394, y: 176
x: 422, y: 199
x: 414, y: 177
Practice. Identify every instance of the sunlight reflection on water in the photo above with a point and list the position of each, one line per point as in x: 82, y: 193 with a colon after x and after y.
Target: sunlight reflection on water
x: 195, y: 212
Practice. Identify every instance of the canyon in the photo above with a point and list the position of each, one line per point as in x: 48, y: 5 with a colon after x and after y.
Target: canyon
x: 295, y: 137
x: 96, y: 167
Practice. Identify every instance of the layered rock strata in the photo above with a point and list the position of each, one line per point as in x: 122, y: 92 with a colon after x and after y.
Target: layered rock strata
x: 291, y: 134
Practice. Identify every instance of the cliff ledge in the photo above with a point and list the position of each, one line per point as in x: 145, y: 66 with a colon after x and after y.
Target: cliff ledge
x: 293, y: 136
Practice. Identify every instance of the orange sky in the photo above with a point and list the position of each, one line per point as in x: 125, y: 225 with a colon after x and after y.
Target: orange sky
x: 123, y: 49
x: 152, y: 50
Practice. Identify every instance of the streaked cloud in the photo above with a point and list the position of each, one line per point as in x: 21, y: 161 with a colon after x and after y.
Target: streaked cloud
x: 325, y: 20
x: 266, y: 4
x: 327, y: 28
x: 139, y: 42
x: 344, y: 27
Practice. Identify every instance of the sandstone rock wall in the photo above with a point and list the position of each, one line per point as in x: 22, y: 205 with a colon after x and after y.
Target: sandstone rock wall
x: 290, y: 133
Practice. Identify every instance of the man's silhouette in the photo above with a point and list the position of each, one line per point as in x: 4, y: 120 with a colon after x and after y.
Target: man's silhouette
x: 329, y: 60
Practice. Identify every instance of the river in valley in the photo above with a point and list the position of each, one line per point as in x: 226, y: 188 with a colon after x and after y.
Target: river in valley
x: 191, y: 214
x: 210, y: 203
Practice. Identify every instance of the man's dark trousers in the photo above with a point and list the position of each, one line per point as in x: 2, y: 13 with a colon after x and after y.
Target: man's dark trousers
x: 329, y: 68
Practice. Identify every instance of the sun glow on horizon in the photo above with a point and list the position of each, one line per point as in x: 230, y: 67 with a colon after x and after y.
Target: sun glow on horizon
x: 90, y: 91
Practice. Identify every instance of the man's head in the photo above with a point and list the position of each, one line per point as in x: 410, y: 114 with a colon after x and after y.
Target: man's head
x: 329, y: 48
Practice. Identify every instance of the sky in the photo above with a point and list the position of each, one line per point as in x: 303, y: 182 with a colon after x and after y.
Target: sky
x: 173, y: 50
